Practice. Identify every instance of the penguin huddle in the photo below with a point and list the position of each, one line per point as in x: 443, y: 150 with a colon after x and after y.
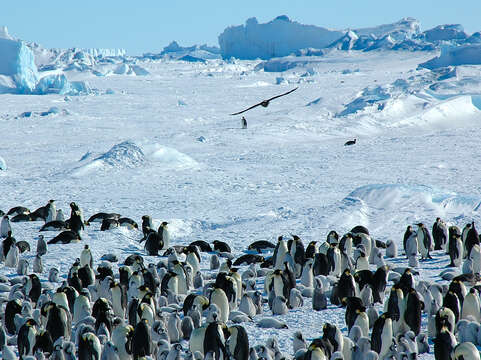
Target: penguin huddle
x: 170, y: 302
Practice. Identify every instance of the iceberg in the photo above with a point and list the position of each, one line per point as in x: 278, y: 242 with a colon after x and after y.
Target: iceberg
x: 279, y: 37
x: 17, y: 61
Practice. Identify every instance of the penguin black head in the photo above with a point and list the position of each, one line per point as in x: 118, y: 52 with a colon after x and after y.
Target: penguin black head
x: 278, y: 272
x: 164, y: 223
x: 86, y: 247
x: 279, y: 238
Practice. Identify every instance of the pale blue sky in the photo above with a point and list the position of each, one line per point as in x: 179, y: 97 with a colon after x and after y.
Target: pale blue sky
x: 148, y: 25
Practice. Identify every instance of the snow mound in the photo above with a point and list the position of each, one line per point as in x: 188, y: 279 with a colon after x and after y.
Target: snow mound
x: 176, y: 52
x: 124, y: 155
x: 408, y: 199
x: 129, y: 155
x: 169, y: 157
x: 126, y: 69
x: 454, y: 112
x: 279, y: 37
x: 454, y: 56
x: 401, y: 204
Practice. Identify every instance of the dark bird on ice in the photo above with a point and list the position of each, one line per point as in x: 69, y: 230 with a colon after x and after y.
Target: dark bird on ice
x: 350, y: 142
x: 265, y: 103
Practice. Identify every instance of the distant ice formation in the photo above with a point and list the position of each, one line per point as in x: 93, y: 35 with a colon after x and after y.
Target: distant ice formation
x: 282, y: 37
x: 453, y: 56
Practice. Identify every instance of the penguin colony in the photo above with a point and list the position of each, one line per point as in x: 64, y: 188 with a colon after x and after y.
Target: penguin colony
x: 160, y: 305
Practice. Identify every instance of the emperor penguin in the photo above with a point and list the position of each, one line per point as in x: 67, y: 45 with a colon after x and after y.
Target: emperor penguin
x: 298, y: 342
x: 451, y: 301
x: 60, y: 215
x: 345, y: 245
x: 379, y: 282
x: 280, y: 252
x: 307, y: 277
x: 82, y: 307
x: 12, y: 257
x: 5, y: 226
x: 22, y: 267
x: 391, y: 249
x: 471, y: 306
x: 413, y: 310
x: 362, y: 320
x: 395, y: 307
x: 466, y: 351
x: 169, y: 283
x: 26, y: 338
x: 89, y: 347
x: 316, y: 351
x: 164, y: 232
x: 362, y: 262
x: 141, y: 340
x: 193, y: 258
x: 41, y: 246
x: 238, y: 343
x: 440, y: 234
x: 118, y: 299
x: 472, y: 238
x: 333, y: 335
x: 51, y: 211
x: 86, y: 257
x: 244, y: 123
x: 424, y: 241
x: 346, y: 285
x: 334, y: 259
x: 219, y: 298
x: 296, y: 249
x: 319, y: 299
x: 110, y: 352
x: 382, y: 335
x: 179, y: 269
x: 122, y: 339
x: 37, y: 264
x: 214, y: 340
x: 444, y: 344
x: 455, y: 246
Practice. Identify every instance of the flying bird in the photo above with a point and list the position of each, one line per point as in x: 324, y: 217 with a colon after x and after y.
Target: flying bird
x: 265, y: 103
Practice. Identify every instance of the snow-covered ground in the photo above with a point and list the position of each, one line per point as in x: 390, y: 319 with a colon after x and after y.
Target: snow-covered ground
x: 165, y: 145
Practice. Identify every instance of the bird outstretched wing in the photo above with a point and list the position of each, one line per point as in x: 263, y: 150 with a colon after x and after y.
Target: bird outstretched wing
x: 265, y: 101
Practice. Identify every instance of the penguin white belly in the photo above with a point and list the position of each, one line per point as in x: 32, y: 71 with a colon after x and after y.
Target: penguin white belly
x: 220, y: 299
x: 196, y: 342
x: 363, y: 322
x: 117, y: 302
x: 278, y: 286
x: 281, y: 253
x: 386, y: 338
x: 192, y: 260
x: 471, y: 307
